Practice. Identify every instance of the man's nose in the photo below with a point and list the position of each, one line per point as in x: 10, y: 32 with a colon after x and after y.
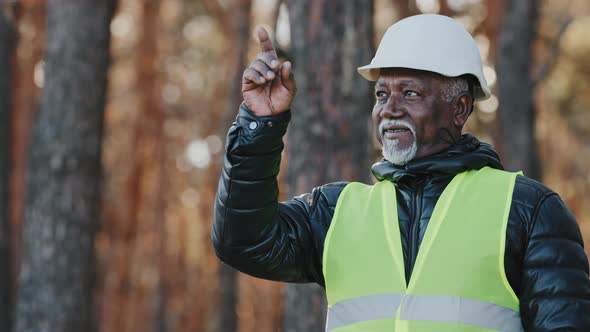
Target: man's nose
x: 392, y: 109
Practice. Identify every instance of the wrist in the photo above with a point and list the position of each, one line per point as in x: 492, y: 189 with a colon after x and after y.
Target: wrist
x: 254, y: 123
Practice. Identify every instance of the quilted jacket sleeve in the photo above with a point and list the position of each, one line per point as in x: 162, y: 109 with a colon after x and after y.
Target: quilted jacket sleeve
x: 252, y: 231
x: 555, y: 288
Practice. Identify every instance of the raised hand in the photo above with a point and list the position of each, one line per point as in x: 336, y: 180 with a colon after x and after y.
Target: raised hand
x: 268, y: 86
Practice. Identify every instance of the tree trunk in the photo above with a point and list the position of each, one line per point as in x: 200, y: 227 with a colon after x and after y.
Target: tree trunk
x: 6, y: 52
x: 492, y: 24
x: 329, y: 131
x: 515, y: 87
x: 235, y: 24
x: 145, y: 230
x: 25, y: 103
x: 57, y: 274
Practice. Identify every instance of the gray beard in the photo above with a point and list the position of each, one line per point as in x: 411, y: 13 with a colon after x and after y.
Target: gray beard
x: 391, y: 151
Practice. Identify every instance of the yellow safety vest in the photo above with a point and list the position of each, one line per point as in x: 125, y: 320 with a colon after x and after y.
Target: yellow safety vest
x: 458, y: 283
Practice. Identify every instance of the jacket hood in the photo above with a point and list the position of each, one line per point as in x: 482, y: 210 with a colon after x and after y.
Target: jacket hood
x: 468, y: 153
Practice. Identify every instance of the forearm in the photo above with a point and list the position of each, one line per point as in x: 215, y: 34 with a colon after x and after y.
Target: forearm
x: 250, y: 228
x: 247, y: 193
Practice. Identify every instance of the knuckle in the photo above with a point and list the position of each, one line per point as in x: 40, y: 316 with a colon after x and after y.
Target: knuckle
x: 250, y: 75
x: 255, y: 65
x: 260, y: 64
x: 268, y: 57
x: 262, y: 57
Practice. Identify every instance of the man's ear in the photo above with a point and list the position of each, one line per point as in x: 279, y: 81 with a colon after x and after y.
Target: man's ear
x: 463, y: 108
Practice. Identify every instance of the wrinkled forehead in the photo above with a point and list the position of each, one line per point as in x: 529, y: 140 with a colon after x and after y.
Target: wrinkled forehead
x: 406, y: 76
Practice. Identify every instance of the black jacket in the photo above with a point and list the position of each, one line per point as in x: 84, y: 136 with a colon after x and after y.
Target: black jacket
x: 544, y: 259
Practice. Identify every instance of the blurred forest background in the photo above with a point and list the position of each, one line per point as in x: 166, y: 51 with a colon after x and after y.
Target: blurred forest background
x: 112, y: 123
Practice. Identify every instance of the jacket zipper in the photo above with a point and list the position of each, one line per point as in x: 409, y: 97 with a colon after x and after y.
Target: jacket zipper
x: 414, y: 237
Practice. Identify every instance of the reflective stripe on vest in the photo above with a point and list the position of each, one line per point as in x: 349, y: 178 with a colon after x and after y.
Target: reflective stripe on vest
x: 358, y: 309
x: 458, y: 282
x: 447, y: 309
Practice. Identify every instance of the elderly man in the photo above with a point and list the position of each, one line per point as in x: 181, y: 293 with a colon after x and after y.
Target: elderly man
x: 444, y: 241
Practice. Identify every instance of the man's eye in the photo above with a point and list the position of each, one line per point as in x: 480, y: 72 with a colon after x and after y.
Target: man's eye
x: 410, y: 93
x: 380, y: 94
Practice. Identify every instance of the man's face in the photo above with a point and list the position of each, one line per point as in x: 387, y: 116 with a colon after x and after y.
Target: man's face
x: 410, y: 114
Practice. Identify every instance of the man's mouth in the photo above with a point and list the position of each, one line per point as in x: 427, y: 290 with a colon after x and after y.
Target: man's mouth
x: 397, y: 130
x: 392, y: 131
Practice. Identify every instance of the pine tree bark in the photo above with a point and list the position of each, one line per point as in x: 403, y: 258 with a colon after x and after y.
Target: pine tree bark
x: 62, y: 215
x: 25, y: 103
x: 7, y: 34
x: 515, y: 87
x: 329, y: 130
x: 145, y: 300
x: 235, y: 24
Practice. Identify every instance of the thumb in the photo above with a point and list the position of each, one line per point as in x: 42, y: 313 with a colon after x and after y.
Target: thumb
x: 287, y: 77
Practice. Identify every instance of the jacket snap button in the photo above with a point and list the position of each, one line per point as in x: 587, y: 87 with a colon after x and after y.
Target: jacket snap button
x: 269, y: 123
x: 253, y: 125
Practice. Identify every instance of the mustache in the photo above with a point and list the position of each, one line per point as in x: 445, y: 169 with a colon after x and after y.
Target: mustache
x: 394, y: 122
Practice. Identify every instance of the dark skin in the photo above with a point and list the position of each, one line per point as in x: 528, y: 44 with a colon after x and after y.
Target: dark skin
x: 415, y: 96
x: 268, y: 87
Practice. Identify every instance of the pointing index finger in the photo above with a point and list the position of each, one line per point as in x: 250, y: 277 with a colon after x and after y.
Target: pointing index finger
x: 264, y: 40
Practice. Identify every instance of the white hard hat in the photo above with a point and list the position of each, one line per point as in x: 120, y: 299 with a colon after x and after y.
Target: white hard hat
x: 429, y: 42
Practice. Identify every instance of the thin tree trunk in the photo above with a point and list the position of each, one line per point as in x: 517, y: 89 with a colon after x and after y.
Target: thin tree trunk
x: 57, y: 275
x: 236, y: 26
x: 492, y: 25
x: 141, y: 310
x: 6, y: 51
x: 227, y: 317
x: 25, y: 102
x: 515, y: 87
x: 135, y: 291
x: 329, y: 131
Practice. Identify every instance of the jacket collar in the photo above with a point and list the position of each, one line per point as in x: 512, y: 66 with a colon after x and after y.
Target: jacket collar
x: 468, y: 153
